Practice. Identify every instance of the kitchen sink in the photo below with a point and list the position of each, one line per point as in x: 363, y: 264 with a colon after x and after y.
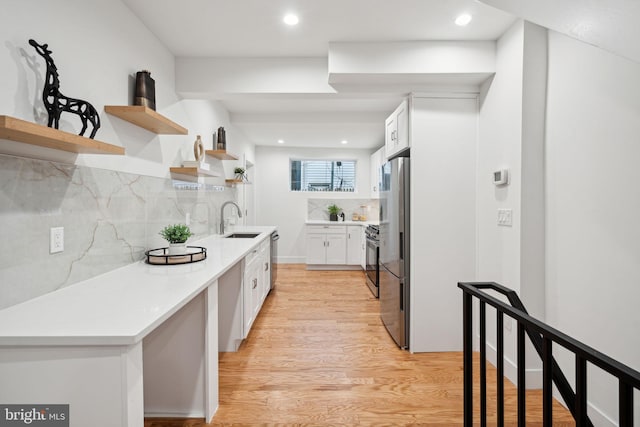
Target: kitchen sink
x: 242, y: 235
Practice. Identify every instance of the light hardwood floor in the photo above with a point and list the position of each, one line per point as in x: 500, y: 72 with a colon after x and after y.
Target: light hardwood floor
x: 318, y: 354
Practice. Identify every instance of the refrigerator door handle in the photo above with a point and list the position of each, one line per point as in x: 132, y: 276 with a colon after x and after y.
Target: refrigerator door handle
x: 401, y: 245
x: 401, y: 296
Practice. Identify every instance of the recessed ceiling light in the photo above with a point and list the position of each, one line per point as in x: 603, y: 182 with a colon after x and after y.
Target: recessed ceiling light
x: 344, y: 141
x: 291, y: 19
x: 280, y: 141
x: 463, y: 19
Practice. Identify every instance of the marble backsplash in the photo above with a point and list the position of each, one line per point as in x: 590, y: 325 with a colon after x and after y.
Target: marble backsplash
x: 317, y: 208
x: 109, y: 219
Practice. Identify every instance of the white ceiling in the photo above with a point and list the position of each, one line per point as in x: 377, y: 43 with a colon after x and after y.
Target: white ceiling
x: 609, y: 24
x: 254, y: 28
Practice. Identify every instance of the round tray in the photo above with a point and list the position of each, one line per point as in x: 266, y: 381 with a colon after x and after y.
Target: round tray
x: 161, y: 256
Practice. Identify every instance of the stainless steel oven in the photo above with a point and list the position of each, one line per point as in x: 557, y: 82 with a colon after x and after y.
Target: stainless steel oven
x: 372, y: 259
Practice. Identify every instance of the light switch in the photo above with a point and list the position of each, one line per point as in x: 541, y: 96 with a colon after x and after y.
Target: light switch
x: 505, y: 217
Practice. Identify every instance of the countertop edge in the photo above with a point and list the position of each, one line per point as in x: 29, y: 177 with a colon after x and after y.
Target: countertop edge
x: 118, y: 339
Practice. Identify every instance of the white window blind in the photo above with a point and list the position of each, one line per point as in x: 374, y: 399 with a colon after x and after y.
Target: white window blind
x: 323, y: 175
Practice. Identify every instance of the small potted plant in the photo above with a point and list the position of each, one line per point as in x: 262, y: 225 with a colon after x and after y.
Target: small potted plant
x: 333, y: 212
x: 177, y: 236
x: 240, y: 174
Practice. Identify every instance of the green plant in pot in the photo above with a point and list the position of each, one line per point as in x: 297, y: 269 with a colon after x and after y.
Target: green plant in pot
x: 334, y: 210
x: 177, y: 236
x: 240, y: 173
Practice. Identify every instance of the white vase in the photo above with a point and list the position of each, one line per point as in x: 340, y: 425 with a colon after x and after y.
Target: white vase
x: 177, y: 248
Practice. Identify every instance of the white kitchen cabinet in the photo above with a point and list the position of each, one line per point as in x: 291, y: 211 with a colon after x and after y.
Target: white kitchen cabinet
x: 243, y: 289
x: 397, y: 130
x: 316, y: 248
x: 250, y: 284
x: 336, y: 249
x: 375, y: 163
x: 265, y: 270
x: 326, y: 244
x: 355, y: 250
x: 363, y: 250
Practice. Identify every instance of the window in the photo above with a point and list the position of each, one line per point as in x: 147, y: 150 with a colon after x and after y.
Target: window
x: 323, y: 175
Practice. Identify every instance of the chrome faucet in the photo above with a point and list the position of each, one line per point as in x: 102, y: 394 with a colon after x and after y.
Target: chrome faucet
x: 229, y: 202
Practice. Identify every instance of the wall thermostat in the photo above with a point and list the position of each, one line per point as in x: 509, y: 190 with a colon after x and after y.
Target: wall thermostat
x: 501, y: 177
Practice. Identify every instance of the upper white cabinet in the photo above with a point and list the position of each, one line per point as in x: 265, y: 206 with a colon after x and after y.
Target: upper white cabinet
x: 375, y: 163
x: 397, y: 130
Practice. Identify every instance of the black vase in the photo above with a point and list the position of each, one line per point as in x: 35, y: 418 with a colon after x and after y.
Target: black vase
x: 333, y: 217
x: 145, y: 93
x: 222, y: 139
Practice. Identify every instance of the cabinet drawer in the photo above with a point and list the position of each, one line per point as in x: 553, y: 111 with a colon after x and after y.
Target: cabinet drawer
x: 326, y: 229
x: 251, y: 256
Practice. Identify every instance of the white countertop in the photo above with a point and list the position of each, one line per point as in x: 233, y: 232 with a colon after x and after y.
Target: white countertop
x: 122, y: 306
x: 325, y: 222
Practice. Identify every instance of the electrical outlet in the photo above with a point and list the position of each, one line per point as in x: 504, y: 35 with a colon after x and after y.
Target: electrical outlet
x: 56, y: 240
x: 187, y: 219
x: 505, y: 217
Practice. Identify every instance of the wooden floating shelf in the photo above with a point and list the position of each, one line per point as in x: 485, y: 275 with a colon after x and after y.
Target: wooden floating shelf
x: 193, y: 171
x: 146, y: 118
x: 236, y: 181
x: 43, y: 136
x: 221, y: 154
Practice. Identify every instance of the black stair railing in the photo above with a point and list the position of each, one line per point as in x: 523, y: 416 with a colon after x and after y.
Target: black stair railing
x: 542, y: 337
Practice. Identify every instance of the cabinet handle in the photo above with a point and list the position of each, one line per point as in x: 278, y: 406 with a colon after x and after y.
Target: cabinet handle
x: 348, y: 235
x: 255, y: 283
x: 266, y: 266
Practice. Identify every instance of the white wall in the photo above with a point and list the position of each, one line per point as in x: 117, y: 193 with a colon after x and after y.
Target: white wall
x: 511, y: 136
x: 277, y: 205
x: 111, y: 206
x: 593, y: 205
x: 587, y: 170
x: 500, y: 131
x: 443, y: 218
x: 97, y: 55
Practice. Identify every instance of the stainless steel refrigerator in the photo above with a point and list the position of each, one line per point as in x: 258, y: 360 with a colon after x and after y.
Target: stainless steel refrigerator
x: 394, y: 285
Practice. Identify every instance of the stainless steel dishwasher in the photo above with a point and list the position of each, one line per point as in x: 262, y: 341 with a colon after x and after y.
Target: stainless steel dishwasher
x: 274, y: 258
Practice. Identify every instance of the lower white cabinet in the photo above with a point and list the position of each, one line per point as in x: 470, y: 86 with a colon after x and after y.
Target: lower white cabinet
x: 251, y: 297
x: 326, y: 244
x: 241, y: 292
x: 355, y: 250
x: 265, y: 270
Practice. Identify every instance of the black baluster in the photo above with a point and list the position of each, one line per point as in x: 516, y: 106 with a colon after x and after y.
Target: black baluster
x: 522, y: 415
x: 625, y: 404
x: 483, y: 364
x: 467, y: 320
x: 581, y: 391
x: 500, y: 369
x: 547, y: 382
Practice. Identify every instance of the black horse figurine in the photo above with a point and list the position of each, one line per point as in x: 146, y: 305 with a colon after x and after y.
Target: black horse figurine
x: 56, y: 103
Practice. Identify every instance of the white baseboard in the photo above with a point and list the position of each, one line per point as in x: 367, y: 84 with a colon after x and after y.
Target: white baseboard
x: 533, y: 379
x: 291, y: 260
x: 324, y: 267
x: 599, y: 418
x: 532, y: 376
x: 174, y: 414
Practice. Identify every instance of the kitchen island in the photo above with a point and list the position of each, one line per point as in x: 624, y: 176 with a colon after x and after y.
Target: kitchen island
x: 112, y: 346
